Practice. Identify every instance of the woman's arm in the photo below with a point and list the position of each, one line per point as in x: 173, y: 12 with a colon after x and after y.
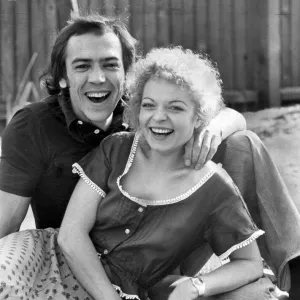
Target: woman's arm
x: 77, y: 246
x: 202, y: 147
x: 245, y: 266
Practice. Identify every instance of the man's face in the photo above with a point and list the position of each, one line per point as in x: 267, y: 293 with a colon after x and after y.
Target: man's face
x: 95, y: 76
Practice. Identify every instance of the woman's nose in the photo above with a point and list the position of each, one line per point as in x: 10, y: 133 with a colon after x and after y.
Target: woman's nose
x: 160, y: 115
x: 97, y: 75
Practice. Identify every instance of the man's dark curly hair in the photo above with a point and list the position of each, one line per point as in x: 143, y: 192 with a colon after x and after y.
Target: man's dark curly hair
x: 79, y: 25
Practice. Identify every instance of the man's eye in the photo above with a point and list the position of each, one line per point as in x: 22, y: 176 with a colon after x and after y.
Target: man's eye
x: 112, y: 66
x: 81, y: 67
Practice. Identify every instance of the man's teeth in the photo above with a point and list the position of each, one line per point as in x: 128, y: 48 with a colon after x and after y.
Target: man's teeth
x: 161, y: 131
x: 97, y: 95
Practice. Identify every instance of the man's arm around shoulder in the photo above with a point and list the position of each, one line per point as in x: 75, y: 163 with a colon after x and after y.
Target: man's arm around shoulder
x: 13, y: 209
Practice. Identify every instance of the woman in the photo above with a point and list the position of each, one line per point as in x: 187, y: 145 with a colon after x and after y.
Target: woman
x: 137, y: 212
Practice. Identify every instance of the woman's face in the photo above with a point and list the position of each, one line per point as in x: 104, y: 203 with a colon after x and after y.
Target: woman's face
x: 167, y: 116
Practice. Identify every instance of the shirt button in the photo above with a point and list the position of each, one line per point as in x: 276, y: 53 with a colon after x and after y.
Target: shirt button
x: 127, y: 231
x: 96, y: 131
x: 79, y: 122
x: 105, y: 251
x: 140, y: 209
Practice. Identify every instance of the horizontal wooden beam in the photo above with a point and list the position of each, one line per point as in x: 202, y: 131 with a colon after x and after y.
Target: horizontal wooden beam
x: 242, y: 96
x: 290, y: 93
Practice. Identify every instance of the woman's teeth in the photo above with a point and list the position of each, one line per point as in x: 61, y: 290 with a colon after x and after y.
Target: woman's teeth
x: 161, y: 131
x: 97, y: 97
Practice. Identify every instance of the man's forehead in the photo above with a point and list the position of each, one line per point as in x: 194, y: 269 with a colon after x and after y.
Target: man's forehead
x: 91, y: 45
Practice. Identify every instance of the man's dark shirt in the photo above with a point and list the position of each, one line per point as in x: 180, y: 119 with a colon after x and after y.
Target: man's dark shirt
x: 39, y: 146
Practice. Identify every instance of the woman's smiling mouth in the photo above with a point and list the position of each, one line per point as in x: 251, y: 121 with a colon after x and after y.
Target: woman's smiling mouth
x: 161, y: 131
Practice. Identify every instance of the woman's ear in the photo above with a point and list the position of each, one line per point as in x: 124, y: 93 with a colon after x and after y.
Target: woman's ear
x: 63, y: 83
x: 198, y: 122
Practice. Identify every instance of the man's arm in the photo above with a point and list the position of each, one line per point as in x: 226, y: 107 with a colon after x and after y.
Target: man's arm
x: 13, y: 209
x: 202, y: 147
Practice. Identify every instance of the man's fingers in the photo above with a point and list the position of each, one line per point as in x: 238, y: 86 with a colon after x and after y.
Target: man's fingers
x: 215, y: 142
x: 188, y: 152
x: 205, y: 148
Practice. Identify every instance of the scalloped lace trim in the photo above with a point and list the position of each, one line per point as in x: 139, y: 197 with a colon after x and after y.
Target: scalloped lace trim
x: 145, y: 202
x: 244, y: 243
x: 124, y: 295
x: 77, y: 169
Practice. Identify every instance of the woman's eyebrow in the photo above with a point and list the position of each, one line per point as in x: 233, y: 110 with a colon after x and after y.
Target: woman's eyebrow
x: 179, y: 101
x: 149, y: 98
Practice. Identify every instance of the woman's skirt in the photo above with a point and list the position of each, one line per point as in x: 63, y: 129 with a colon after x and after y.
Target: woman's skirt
x: 32, y: 266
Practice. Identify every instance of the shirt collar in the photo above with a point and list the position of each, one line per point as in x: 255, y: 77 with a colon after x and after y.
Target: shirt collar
x: 87, y: 132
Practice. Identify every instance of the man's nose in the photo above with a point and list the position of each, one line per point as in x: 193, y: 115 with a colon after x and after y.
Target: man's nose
x: 97, y: 75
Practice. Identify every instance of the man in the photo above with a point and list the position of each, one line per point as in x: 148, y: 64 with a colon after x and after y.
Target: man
x: 85, y: 80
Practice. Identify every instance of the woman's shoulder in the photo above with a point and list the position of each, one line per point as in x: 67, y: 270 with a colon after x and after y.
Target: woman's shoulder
x: 119, y: 139
x: 219, y: 179
x: 117, y: 144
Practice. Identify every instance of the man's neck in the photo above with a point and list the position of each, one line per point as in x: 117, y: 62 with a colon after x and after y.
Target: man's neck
x: 103, y: 124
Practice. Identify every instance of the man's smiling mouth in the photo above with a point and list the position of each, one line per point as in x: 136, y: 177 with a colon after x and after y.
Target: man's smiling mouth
x: 97, y: 97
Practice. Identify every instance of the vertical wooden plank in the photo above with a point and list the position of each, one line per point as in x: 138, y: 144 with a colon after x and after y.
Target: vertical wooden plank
x: 295, y: 42
x: 213, y: 30
x: 84, y: 6
x: 109, y: 8
x: 253, y: 42
x: 63, y: 12
x: 38, y: 39
x: 163, y: 19
x: 2, y: 113
x: 8, y: 50
x: 176, y: 24
x: 51, y: 25
x: 285, y: 22
x: 149, y: 25
x: 239, y: 47
x: 188, y: 24
x: 201, y: 28
x: 23, y: 51
x: 137, y: 23
x: 226, y: 39
x: 123, y: 7
x: 274, y: 53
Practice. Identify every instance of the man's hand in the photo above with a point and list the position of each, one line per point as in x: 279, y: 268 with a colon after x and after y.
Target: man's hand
x: 184, y: 290
x: 202, y: 146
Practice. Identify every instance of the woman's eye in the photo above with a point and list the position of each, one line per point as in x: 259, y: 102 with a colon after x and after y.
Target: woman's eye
x: 177, y: 108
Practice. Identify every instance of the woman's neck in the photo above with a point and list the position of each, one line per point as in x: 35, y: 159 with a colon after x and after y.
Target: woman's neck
x: 167, y: 161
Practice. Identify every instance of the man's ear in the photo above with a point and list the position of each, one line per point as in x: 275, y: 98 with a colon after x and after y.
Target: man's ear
x: 63, y: 83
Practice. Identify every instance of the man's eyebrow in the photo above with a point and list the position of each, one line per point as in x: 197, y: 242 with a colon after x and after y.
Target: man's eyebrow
x: 81, y: 59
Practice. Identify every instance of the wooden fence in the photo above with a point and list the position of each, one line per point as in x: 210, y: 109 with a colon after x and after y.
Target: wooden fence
x: 254, y: 42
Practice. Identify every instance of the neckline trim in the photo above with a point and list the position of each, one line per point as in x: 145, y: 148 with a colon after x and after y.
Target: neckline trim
x: 210, y: 166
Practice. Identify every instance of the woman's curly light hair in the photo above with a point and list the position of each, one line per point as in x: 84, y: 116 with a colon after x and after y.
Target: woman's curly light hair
x: 192, y: 71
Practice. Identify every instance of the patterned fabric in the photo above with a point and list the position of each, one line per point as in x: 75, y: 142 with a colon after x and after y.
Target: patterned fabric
x: 32, y: 266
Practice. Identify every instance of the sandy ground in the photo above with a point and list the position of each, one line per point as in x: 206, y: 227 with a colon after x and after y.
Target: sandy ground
x: 280, y: 131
